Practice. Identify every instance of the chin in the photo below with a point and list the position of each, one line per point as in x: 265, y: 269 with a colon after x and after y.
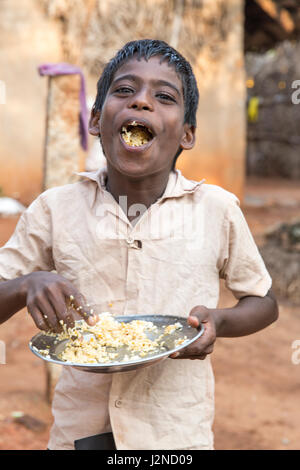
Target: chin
x: 134, y: 170
x: 132, y: 165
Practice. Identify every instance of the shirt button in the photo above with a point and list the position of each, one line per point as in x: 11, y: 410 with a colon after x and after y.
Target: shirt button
x: 130, y: 241
x: 118, y: 403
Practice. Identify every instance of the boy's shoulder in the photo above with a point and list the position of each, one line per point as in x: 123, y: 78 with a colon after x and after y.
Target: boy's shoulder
x: 211, y: 193
x: 67, y: 193
x: 218, y: 193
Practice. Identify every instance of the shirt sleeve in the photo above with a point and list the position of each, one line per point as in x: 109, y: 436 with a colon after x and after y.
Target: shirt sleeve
x: 243, y: 268
x: 29, y: 248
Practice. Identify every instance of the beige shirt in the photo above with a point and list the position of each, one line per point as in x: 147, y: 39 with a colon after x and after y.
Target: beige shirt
x: 191, y: 237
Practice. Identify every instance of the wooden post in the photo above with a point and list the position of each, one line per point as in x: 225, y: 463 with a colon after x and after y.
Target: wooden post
x: 62, y: 155
x: 62, y: 145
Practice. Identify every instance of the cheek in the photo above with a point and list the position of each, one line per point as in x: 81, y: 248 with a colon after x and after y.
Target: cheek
x: 173, y: 119
x: 108, y: 114
x: 106, y: 133
x: 173, y: 135
x: 104, y: 129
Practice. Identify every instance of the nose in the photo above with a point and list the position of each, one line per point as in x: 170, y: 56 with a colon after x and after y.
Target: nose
x: 141, y: 100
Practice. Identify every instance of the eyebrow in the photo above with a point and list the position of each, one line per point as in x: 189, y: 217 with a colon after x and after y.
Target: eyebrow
x: 135, y: 78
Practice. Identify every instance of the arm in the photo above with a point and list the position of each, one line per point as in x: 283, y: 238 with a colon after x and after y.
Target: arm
x: 26, y: 276
x: 11, y: 298
x: 251, y: 314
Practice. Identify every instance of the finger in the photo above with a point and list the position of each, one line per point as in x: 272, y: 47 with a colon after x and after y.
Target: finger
x: 174, y: 355
x: 179, y: 356
x: 72, y: 296
x: 188, y: 351
x: 77, y: 302
x: 195, y: 350
x: 46, y: 310
x: 64, y: 315
x: 38, y: 318
x: 193, y: 321
x: 200, y: 358
x: 200, y: 313
x: 87, y: 313
x: 92, y: 320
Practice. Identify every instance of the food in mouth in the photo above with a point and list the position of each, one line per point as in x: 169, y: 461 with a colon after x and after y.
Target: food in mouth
x: 136, y: 135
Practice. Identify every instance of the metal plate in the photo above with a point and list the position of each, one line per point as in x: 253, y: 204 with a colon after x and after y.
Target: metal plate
x: 41, y: 341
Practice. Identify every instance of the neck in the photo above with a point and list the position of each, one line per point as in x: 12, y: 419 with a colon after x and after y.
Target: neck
x: 130, y: 192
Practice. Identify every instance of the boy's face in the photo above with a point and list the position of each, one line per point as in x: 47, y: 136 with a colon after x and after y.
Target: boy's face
x: 141, y: 122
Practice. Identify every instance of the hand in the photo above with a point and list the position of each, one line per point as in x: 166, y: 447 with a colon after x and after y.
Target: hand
x: 204, y: 345
x: 51, y: 299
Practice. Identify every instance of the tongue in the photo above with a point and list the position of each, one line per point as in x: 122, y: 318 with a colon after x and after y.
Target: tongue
x: 135, y: 136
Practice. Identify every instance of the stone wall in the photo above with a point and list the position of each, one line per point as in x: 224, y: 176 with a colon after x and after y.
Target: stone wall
x: 273, y: 142
x: 281, y: 253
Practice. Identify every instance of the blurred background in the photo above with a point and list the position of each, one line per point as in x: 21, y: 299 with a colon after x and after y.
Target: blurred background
x: 245, y: 55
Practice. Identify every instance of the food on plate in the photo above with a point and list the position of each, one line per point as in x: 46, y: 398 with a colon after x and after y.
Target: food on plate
x: 102, y: 342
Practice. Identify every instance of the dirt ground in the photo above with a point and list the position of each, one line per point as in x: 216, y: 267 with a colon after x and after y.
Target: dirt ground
x: 256, y: 382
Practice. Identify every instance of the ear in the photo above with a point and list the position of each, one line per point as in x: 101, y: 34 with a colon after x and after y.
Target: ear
x: 189, y: 137
x: 94, y: 123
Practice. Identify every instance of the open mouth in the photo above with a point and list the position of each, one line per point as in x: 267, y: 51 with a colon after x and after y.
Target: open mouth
x: 136, y: 134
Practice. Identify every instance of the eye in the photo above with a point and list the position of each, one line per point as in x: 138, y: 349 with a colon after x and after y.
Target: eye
x: 166, y: 97
x: 124, y: 90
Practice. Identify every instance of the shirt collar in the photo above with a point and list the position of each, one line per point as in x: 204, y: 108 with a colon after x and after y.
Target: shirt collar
x: 177, y: 185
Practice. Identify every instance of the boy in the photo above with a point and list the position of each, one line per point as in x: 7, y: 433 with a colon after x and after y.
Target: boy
x: 143, y: 239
